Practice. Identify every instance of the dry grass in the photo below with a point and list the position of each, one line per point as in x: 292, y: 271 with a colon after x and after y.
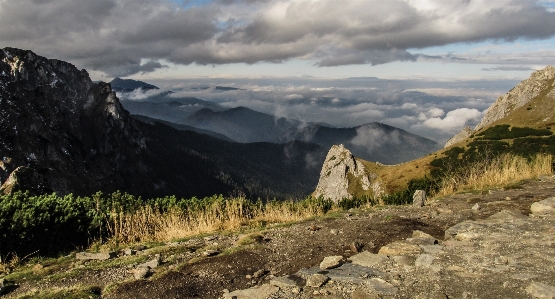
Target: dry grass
x: 497, y: 172
x: 149, y: 224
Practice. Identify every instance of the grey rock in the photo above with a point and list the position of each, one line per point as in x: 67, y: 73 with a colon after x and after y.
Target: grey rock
x: 519, y: 96
x: 381, y: 286
x: 419, y: 198
x: 334, y: 182
x: 476, y: 207
x: 316, y: 280
x: 259, y: 273
x: 424, y: 261
x: 368, y: 259
x: 404, y: 260
x: 283, y: 282
x: 141, y: 272
x: 94, y: 256
x: 258, y: 292
x: 544, y: 206
x: 462, y: 135
x: 400, y: 248
x: 331, y: 262
x: 153, y: 264
x: 541, y: 290
x: 210, y: 252
x: 347, y: 272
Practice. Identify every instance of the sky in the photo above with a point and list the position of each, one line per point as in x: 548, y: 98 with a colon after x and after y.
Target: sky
x: 427, y: 66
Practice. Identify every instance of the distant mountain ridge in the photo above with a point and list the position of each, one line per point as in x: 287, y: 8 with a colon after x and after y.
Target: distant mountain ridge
x: 371, y: 141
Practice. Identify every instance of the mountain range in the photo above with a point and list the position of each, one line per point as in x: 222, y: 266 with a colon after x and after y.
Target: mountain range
x: 372, y: 141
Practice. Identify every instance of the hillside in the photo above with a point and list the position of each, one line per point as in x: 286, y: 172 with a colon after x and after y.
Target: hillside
x: 62, y: 133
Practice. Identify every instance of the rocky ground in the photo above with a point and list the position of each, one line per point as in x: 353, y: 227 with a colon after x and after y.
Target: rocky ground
x: 462, y: 246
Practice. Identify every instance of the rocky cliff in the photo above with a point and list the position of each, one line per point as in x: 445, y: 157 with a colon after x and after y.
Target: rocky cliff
x: 506, y: 104
x: 343, y: 176
x: 61, y: 132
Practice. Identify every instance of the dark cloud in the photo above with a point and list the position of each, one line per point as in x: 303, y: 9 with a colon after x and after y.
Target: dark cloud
x: 111, y: 34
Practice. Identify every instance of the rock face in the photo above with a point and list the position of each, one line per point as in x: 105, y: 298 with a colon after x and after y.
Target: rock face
x: 342, y: 171
x: 465, y: 133
x: 519, y: 96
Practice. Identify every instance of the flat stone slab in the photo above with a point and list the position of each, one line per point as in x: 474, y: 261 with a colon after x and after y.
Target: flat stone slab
x: 283, y: 282
x: 368, y: 259
x: 348, y: 272
x: 258, y: 292
x: 544, y: 206
x: 541, y: 290
x: 400, y: 248
x: 101, y: 256
x: 316, y: 280
x: 381, y: 286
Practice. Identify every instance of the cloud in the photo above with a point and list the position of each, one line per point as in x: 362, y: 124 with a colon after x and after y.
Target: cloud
x: 117, y: 36
x: 451, y: 124
x: 509, y: 68
x: 370, y: 138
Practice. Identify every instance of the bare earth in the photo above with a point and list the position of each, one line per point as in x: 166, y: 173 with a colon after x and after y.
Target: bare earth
x: 505, y: 256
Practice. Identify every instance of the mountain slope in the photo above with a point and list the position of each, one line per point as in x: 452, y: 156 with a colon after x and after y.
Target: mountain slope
x: 77, y: 138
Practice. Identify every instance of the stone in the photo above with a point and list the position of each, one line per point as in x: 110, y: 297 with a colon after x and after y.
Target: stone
x: 210, y: 252
x: 259, y: 273
x: 153, y: 264
x: 128, y: 251
x: 347, y: 272
x: 101, y: 256
x: 333, y: 231
x: 334, y: 176
x: 404, y: 260
x: 368, y: 259
x: 283, y: 282
x: 541, y: 290
x: 381, y: 286
x: 462, y: 135
x: 316, y: 280
x: 419, y: 198
x: 356, y: 246
x: 258, y: 292
x: 476, y: 207
x: 141, y: 272
x: 331, y: 262
x: 400, y: 248
x: 544, y: 206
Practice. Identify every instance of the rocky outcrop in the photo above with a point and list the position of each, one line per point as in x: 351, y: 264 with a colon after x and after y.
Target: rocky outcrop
x: 465, y: 133
x: 519, y: 96
x: 342, y: 175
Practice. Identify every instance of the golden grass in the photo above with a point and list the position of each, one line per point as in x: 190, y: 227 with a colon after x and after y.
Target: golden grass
x: 497, y: 172
x: 148, y: 224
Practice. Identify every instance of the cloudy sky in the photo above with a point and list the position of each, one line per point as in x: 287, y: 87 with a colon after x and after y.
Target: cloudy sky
x: 439, y: 63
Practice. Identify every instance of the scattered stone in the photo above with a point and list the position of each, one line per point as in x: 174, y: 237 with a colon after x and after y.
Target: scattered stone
x: 128, y: 251
x: 541, y: 290
x: 356, y: 246
x: 283, y: 282
x: 508, y: 198
x: 400, y: 248
x: 138, y: 247
x: 101, y: 256
x: 141, y: 272
x: 153, y: 264
x: 210, y: 252
x: 507, y: 215
x: 476, y: 207
x: 347, y: 272
x: 419, y: 198
x: 331, y: 262
x: 367, y: 259
x: 424, y: 261
x: 444, y: 211
x: 316, y: 280
x: 544, y: 206
x: 333, y: 232
x: 421, y: 234
x: 257, y: 292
